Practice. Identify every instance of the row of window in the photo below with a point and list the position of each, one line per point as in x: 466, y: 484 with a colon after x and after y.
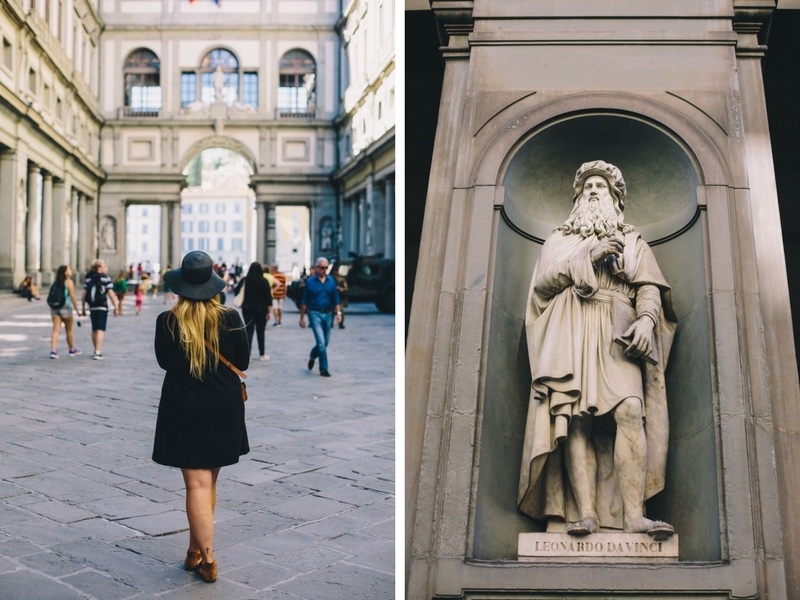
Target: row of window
x: 204, y: 244
x: 219, y: 77
x: 205, y: 226
x: 202, y: 207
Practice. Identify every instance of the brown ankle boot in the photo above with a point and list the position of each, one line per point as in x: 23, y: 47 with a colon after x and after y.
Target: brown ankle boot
x: 193, y: 560
x: 209, y: 571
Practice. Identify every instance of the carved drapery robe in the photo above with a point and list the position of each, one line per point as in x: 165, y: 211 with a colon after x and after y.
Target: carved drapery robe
x: 573, y: 315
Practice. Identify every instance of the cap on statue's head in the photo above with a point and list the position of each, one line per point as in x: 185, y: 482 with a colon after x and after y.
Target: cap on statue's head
x: 611, y: 173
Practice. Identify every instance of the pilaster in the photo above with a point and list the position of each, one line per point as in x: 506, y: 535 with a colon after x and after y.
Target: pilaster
x: 10, y: 275
x: 47, y: 229
x: 432, y: 307
x: 33, y: 223
x: 780, y: 574
x: 175, y: 256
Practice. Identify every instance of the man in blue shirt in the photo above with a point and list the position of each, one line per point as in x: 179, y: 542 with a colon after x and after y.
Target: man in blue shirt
x: 321, y: 301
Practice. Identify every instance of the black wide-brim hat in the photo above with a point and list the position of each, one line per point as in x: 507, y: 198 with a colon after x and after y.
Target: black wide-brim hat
x: 195, y: 279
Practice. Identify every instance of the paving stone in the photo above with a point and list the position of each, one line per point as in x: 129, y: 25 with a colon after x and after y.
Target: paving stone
x: 284, y: 541
x: 13, y: 470
x: 15, y: 548
x: 7, y: 565
x: 385, y: 530
x: 158, y: 524
x: 245, y: 528
x: 52, y: 563
x: 261, y: 576
x: 223, y: 589
x: 309, y: 507
x: 149, y: 492
x: 86, y: 513
x: 100, y: 586
x: 27, y: 585
x: 353, y: 543
x: 43, y: 532
x: 336, y: 525
x: 59, y: 511
x: 104, y: 529
x: 319, y: 481
x: 375, y: 557
x: 342, y: 582
x: 310, y: 558
x: 11, y: 513
x: 355, y: 495
x: 126, y: 566
x: 124, y: 505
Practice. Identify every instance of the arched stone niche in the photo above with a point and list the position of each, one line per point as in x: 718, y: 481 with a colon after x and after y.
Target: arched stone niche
x: 662, y: 203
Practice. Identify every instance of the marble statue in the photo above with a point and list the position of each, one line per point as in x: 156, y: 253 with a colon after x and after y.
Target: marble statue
x: 219, y: 83
x: 108, y: 234
x: 326, y: 235
x: 599, y: 324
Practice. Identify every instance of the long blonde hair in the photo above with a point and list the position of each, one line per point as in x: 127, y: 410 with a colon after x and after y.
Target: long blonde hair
x: 198, y: 321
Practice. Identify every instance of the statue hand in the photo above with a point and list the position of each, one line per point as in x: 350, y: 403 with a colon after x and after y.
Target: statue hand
x: 607, y: 246
x: 639, y: 335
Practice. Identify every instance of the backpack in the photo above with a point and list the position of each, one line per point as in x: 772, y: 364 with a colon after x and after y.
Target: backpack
x: 96, y: 293
x: 56, y: 298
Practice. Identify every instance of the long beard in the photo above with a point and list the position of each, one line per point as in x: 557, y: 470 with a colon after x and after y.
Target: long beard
x: 601, y: 220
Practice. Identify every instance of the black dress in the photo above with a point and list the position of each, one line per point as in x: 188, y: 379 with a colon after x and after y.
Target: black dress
x: 201, y: 423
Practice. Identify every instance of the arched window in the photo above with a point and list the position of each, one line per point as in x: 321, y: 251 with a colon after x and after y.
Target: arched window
x: 297, y: 84
x: 219, y: 77
x: 142, y: 83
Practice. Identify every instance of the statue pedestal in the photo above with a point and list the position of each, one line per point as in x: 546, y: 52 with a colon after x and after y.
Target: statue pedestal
x: 596, y: 548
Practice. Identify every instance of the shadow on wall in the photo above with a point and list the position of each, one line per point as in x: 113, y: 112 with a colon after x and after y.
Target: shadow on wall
x: 662, y: 204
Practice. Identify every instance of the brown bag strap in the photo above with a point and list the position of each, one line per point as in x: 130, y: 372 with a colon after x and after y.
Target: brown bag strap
x: 226, y: 362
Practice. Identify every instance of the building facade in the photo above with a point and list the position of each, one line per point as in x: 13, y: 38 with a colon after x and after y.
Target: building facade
x: 366, y: 175
x: 105, y: 105
x: 50, y: 123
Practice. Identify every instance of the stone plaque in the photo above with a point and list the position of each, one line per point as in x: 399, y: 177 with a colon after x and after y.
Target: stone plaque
x: 598, y: 547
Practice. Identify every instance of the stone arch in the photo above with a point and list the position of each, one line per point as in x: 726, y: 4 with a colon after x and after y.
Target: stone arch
x: 511, y: 127
x: 218, y: 141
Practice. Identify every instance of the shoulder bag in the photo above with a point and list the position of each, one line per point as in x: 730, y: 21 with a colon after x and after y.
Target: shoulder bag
x: 230, y: 365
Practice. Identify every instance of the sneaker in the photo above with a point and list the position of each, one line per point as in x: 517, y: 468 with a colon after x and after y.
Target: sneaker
x: 264, y: 358
x: 311, y: 363
x: 75, y: 352
x: 53, y: 354
x: 324, y: 372
x: 97, y: 356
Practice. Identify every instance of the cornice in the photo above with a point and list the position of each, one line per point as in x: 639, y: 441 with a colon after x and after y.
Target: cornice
x: 455, y: 17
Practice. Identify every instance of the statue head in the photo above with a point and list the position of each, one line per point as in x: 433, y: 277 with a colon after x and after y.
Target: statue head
x: 606, y: 170
x: 598, y: 202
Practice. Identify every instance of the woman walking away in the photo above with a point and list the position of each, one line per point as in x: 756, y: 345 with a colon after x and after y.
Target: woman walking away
x: 62, y: 302
x: 256, y: 306
x: 200, y: 426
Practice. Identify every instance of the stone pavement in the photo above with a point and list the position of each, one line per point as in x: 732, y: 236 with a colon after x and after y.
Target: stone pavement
x: 85, y: 513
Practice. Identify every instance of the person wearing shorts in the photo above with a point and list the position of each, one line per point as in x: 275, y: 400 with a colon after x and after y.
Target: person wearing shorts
x: 64, y: 314
x: 97, y: 290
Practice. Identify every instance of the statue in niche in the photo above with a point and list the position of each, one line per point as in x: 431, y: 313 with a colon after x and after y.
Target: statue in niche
x: 326, y: 235
x: 219, y: 83
x: 599, y: 325
x: 108, y: 234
